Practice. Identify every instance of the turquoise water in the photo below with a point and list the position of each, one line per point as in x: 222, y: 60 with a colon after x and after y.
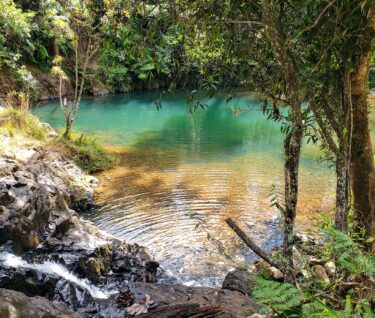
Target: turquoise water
x: 219, y: 163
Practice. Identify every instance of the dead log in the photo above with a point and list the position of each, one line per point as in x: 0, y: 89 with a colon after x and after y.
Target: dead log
x: 250, y: 243
x: 194, y: 310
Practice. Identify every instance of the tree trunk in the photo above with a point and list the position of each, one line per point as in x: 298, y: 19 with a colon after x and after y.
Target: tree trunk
x: 292, y: 144
x: 68, y: 127
x: 362, y: 162
x: 56, y: 50
x: 292, y: 148
x: 341, y: 215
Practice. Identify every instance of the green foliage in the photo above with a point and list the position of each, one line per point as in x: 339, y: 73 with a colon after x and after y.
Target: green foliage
x: 284, y: 300
x: 349, y: 253
x: 88, y: 153
x: 137, y: 54
x: 275, y: 296
x: 15, y: 33
x: 28, y: 29
x: 17, y: 122
x: 349, y: 294
x: 318, y: 309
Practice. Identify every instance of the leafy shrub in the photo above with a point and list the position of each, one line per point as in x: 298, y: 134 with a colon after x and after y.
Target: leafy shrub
x: 347, y: 250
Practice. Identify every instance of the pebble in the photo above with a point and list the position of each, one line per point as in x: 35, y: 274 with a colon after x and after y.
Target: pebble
x: 320, y: 273
x: 330, y: 268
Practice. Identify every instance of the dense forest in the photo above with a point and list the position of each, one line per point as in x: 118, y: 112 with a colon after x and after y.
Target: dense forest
x: 311, y: 66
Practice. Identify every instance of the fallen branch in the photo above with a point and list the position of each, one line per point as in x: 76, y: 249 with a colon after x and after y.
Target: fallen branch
x: 254, y: 247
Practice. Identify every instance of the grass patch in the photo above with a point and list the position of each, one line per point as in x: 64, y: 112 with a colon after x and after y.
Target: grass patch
x: 88, y: 154
x: 16, y: 122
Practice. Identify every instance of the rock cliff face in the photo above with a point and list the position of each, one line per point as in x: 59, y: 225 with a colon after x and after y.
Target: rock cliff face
x: 68, y: 260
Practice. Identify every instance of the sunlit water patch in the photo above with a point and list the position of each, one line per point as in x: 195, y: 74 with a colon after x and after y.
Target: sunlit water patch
x: 214, y: 163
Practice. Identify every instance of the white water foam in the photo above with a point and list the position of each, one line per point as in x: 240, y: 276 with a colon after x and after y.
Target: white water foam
x: 51, y: 268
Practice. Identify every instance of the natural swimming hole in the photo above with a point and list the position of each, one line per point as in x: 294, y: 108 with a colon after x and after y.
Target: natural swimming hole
x: 217, y: 163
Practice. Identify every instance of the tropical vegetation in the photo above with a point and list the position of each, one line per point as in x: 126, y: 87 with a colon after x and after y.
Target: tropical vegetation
x: 312, y: 62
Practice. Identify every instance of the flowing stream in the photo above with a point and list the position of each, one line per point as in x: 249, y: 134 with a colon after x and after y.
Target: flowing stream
x: 54, y: 269
x: 219, y: 163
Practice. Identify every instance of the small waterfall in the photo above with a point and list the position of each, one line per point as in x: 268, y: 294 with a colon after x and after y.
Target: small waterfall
x: 51, y: 268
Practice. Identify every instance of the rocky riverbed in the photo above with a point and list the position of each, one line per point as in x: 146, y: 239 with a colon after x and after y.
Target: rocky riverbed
x: 47, y: 250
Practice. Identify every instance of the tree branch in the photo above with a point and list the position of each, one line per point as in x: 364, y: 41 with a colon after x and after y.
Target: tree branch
x: 323, y: 129
x: 316, y: 21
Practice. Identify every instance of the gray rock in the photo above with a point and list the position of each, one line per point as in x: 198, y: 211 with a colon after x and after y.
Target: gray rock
x: 239, y: 280
x: 299, y: 260
x: 37, y: 192
x: 276, y: 273
x: 51, y: 132
x: 15, y: 304
x: 305, y: 239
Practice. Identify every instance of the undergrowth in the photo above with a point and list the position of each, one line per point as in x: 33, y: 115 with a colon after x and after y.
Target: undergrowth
x: 86, y: 152
x: 14, y: 122
x: 349, y: 294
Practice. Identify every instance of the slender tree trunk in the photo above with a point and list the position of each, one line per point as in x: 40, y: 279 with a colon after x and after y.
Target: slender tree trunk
x: 56, y: 50
x: 68, y: 127
x: 292, y: 144
x: 292, y: 149
x: 341, y: 215
x: 362, y: 162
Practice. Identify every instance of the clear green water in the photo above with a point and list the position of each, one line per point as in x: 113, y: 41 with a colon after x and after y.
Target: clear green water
x: 214, y: 163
